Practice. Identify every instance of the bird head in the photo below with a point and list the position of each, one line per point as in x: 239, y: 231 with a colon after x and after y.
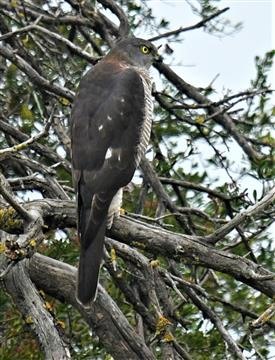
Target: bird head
x: 135, y: 51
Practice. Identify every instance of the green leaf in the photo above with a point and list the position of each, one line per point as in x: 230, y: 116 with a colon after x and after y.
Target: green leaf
x: 26, y: 113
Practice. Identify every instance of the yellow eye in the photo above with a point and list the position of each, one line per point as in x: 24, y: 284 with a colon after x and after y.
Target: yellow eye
x: 144, y: 49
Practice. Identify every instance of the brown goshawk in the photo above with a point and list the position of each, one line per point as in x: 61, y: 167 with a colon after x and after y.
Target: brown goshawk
x: 110, y: 130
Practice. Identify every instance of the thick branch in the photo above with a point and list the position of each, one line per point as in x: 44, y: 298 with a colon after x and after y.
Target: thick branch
x: 30, y: 304
x: 190, y: 249
x: 103, y: 315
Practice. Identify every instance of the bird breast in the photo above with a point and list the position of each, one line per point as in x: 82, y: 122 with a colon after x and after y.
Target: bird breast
x: 145, y: 129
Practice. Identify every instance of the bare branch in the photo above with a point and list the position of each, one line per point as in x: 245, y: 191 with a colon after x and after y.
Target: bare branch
x: 124, y: 27
x: 198, y: 25
x: 10, y: 198
x: 152, y: 178
x: 103, y: 315
x: 34, y: 76
x: 264, y: 318
x: 222, y: 119
x: 198, y: 187
x: 31, y: 306
x: 243, y: 311
x: 53, y: 35
x: 240, y: 218
x: 213, y: 317
x: 25, y: 144
x: 39, y: 148
x: 155, y: 301
x: 191, y: 249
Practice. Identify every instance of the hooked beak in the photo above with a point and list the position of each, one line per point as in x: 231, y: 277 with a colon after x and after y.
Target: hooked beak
x: 158, y: 58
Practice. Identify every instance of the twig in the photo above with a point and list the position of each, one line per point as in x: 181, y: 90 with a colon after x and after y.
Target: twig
x: 254, y: 346
x: 220, y: 118
x: 46, y: 17
x: 8, y: 196
x: 152, y: 178
x: 243, y: 311
x: 188, y: 28
x: 174, y: 286
x: 244, y: 96
x: 39, y: 148
x: 198, y: 187
x: 21, y: 30
x: 264, y: 317
x: 36, y: 78
x: 25, y: 144
x: 213, y: 317
x: 55, y: 36
x: 241, y: 217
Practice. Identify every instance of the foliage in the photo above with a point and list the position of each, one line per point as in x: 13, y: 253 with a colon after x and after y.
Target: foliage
x: 192, y: 143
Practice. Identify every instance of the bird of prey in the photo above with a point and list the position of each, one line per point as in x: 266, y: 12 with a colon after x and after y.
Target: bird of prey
x: 110, y: 130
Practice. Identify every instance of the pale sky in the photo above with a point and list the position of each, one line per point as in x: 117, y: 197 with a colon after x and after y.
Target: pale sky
x: 203, y: 56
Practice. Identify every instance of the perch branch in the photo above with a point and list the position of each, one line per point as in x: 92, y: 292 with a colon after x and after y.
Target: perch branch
x: 31, y: 306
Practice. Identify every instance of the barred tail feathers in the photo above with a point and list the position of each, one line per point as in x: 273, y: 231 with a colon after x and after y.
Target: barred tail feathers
x: 92, y: 227
x: 89, y: 266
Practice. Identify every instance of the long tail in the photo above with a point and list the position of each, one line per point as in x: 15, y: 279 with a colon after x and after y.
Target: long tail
x: 92, y: 226
x: 89, y: 265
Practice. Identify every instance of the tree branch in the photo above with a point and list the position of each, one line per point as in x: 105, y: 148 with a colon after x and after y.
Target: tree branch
x: 190, y: 250
x: 187, y: 248
x: 222, y: 119
x: 124, y: 27
x: 34, y: 76
x: 188, y: 28
x: 240, y: 218
x: 32, y: 308
x: 53, y: 35
x: 103, y: 315
x: 152, y: 179
x: 213, y: 317
x: 8, y: 196
x: 39, y: 148
x: 198, y: 187
x: 25, y: 144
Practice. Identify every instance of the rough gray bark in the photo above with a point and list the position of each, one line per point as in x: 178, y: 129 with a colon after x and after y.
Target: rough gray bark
x: 104, y: 317
x: 27, y: 299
